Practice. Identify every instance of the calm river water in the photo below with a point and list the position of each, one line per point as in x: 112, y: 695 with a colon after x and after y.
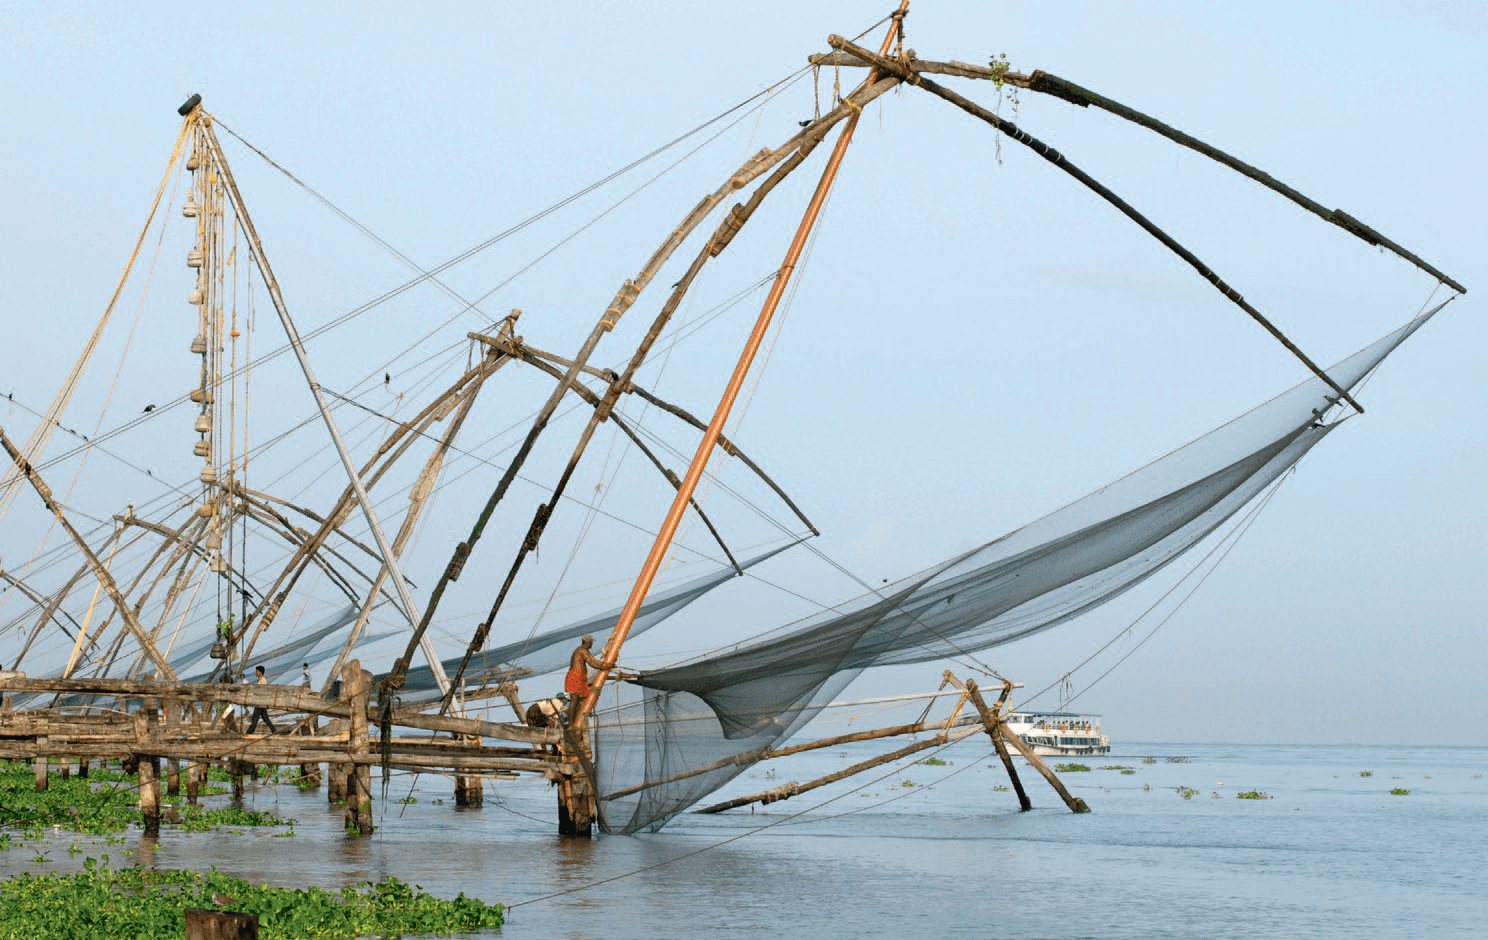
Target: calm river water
x: 931, y: 851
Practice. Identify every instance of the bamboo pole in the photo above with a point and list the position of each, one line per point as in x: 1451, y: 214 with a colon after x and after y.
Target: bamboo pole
x: 389, y: 559
x: 791, y: 789
x: 995, y: 723
x: 106, y: 579
x: 725, y: 406
x: 1024, y: 803
x: 1057, y: 159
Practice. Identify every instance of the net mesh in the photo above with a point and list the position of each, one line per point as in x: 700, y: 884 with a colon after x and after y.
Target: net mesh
x: 683, y: 731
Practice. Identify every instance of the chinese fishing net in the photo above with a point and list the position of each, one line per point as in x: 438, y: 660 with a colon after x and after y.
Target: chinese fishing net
x: 683, y: 731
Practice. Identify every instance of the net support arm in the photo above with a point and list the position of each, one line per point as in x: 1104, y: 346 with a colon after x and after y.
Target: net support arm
x: 1048, y: 84
x: 895, y: 67
x: 783, y: 274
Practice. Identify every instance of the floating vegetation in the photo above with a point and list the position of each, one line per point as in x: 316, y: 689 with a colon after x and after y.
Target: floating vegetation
x: 933, y: 762
x: 103, y: 803
x: 1254, y: 795
x: 1149, y: 760
x: 1072, y: 768
x: 1187, y: 793
x: 1001, y: 788
x: 1366, y: 773
x: 1116, y: 767
x: 1178, y: 760
x: 1399, y: 791
x: 147, y: 903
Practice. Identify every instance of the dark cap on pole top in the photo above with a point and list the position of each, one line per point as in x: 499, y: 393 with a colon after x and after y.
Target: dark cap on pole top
x: 189, y: 106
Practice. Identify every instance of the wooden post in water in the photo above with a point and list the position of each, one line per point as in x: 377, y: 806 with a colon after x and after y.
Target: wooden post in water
x: 1000, y: 731
x: 39, y: 764
x: 358, y: 685
x: 82, y: 768
x: 220, y: 925
x: 173, y: 776
x: 149, y: 790
x: 195, y: 772
x: 576, y: 806
x: 336, y: 782
x: 235, y: 770
x: 993, y: 723
x: 65, y: 765
x: 470, y: 790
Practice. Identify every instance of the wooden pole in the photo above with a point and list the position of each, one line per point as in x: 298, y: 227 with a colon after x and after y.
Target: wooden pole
x: 791, y: 789
x: 663, y: 541
x: 1057, y: 159
x: 357, y: 686
x: 994, y: 731
x: 195, y: 773
x: 1075, y: 804
x: 470, y: 790
x: 149, y: 790
x: 39, y: 765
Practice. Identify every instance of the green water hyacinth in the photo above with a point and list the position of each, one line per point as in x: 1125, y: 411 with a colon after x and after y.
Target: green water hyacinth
x: 145, y: 903
x: 105, y: 802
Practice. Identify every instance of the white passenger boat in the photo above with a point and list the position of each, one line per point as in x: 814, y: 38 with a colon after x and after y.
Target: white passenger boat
x: 1060, y: 734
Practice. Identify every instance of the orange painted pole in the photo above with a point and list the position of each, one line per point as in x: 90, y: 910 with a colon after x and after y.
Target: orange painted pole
x: 725, y: 406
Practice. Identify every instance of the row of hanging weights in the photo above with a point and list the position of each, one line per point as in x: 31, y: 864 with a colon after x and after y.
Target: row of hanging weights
x: 202, y: 298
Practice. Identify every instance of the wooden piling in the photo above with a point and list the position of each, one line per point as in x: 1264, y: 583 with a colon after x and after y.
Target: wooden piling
x: 235, y: 770
x: 65, y: 765
x: 310, y: 775
x: 336, y: 781
x: 357, y: 687
x: 195, y: 773
x: 576, y: 794
x: 83, y: 768
x: 173, y: 776
x: 39, y: 764
x: 149, y: 790
x: 470, y: 790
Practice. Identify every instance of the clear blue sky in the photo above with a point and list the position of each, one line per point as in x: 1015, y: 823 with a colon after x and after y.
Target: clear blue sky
x: 975, y: 340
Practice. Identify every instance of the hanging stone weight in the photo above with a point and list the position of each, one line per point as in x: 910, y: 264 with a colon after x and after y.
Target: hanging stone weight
x: 202, y: 448
x: 204, y: 424
x: 195, y: 257
x: 199, y: 344
x: 190, y: 209
x: 209, y: 474
x: 195, y: 300
x: 201, y: 395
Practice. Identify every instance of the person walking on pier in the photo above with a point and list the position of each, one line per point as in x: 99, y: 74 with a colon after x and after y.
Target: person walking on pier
x: 260, y: 713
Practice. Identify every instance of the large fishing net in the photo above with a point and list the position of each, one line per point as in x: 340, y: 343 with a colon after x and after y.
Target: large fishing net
x: 683, y: 731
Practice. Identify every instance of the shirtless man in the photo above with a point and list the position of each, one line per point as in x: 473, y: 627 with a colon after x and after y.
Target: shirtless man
x: 576, y: 683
